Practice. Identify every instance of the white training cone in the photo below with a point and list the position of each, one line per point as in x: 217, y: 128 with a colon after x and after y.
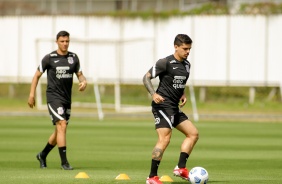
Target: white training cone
x: 166, y: 178
x: 82, y: 175
x: 122, y: 177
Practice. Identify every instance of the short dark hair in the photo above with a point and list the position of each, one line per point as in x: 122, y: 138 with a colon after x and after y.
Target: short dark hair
x: 62, y: 33
x: 182, y: 38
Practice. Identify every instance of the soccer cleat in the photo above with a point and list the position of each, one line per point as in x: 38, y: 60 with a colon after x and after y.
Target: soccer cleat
x: 66, y: 166
x: 41, y: 160
x: 153, y: 180
x: 181, y: 172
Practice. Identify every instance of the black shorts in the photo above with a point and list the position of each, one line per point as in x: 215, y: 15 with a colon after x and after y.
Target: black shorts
x: 166, y: 118
x: 59, y: 111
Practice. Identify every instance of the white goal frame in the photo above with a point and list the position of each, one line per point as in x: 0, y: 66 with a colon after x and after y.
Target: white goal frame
x: 117, y: 106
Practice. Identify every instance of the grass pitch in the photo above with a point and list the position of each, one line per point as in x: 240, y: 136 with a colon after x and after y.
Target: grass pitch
x: 232, y: 152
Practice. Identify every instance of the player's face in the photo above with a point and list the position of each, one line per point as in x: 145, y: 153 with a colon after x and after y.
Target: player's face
x: 63, y: 44
x: 182, y: 51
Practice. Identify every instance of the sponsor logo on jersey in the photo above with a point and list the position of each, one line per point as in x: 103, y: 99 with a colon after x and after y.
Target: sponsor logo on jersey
x: 56, y: 61
x: 174, y: 68
x: 61, y: 72
x: 180, y: 77
x: 179, y: 82
x: 70, y: 60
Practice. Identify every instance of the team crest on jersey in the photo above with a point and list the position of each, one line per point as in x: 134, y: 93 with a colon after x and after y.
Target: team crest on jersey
x: 70, y: 60
x: 60, y: 110
x: 157, y: 120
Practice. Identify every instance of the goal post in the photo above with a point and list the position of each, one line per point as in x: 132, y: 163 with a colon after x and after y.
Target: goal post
x: 98, y: 101
x: 194, y: 104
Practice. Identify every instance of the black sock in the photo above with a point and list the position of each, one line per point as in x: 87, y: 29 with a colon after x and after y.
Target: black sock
x: 183, y: 159
x: 46, y: 150
x: 154, y: 168
x: 63, y: 154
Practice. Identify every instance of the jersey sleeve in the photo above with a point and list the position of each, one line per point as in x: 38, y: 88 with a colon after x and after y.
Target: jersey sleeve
x: 44, y: 64
x: 158, y: 68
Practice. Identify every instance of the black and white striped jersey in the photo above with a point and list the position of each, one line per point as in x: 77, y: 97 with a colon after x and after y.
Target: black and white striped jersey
x: 173, y: 76
x: 60, y: 70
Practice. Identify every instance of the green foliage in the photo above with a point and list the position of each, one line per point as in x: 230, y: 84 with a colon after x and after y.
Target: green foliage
x: 205, y: 9
x: 265, y: 8
x: 232, y: 152
x: 209, y: 9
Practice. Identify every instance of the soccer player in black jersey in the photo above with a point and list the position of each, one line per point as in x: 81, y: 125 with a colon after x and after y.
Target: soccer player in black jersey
x: 173, y: 72
x: 60, y: 65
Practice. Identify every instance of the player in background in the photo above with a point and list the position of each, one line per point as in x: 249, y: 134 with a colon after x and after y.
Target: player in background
x: 60, y: 65
x: 173, y: 72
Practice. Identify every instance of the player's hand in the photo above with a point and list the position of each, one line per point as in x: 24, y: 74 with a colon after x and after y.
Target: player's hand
x: 31, y: 102
x: 82, y: 85
x: 182, y: 100
x: 158, y: 98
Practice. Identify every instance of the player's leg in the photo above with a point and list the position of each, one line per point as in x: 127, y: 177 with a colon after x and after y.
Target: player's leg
x: 61, y: 129
x: 60, y: 114
x: 191, y: 138
x: 164, y: 131
x: 191, y: 135
x: 52, y: 141
x: 41, y: 156
x: 164, y: 135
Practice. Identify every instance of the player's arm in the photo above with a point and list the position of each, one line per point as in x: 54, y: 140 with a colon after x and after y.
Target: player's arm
x: 149, y: 86
x: 82, y: 81
x: 156, y: 70
x: 35, y: 79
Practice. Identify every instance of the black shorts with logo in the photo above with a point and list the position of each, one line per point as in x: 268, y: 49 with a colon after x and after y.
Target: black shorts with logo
x: 59, y: 111
x: 167, y: 118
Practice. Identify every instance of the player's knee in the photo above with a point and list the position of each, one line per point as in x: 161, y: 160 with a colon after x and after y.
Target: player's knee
x: 164, y: 141
x: 61, y: 125
x: 196, y: 136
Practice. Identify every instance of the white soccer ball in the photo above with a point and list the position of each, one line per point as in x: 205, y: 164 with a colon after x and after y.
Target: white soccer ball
x: 198, y: 175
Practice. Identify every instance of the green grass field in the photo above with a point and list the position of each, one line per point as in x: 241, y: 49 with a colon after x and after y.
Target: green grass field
x: 232, y: 152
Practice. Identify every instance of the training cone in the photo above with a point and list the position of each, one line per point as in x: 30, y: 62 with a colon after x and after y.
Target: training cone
x: 122, y: 177
x: 82, y: 175
x: 166, y: 178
